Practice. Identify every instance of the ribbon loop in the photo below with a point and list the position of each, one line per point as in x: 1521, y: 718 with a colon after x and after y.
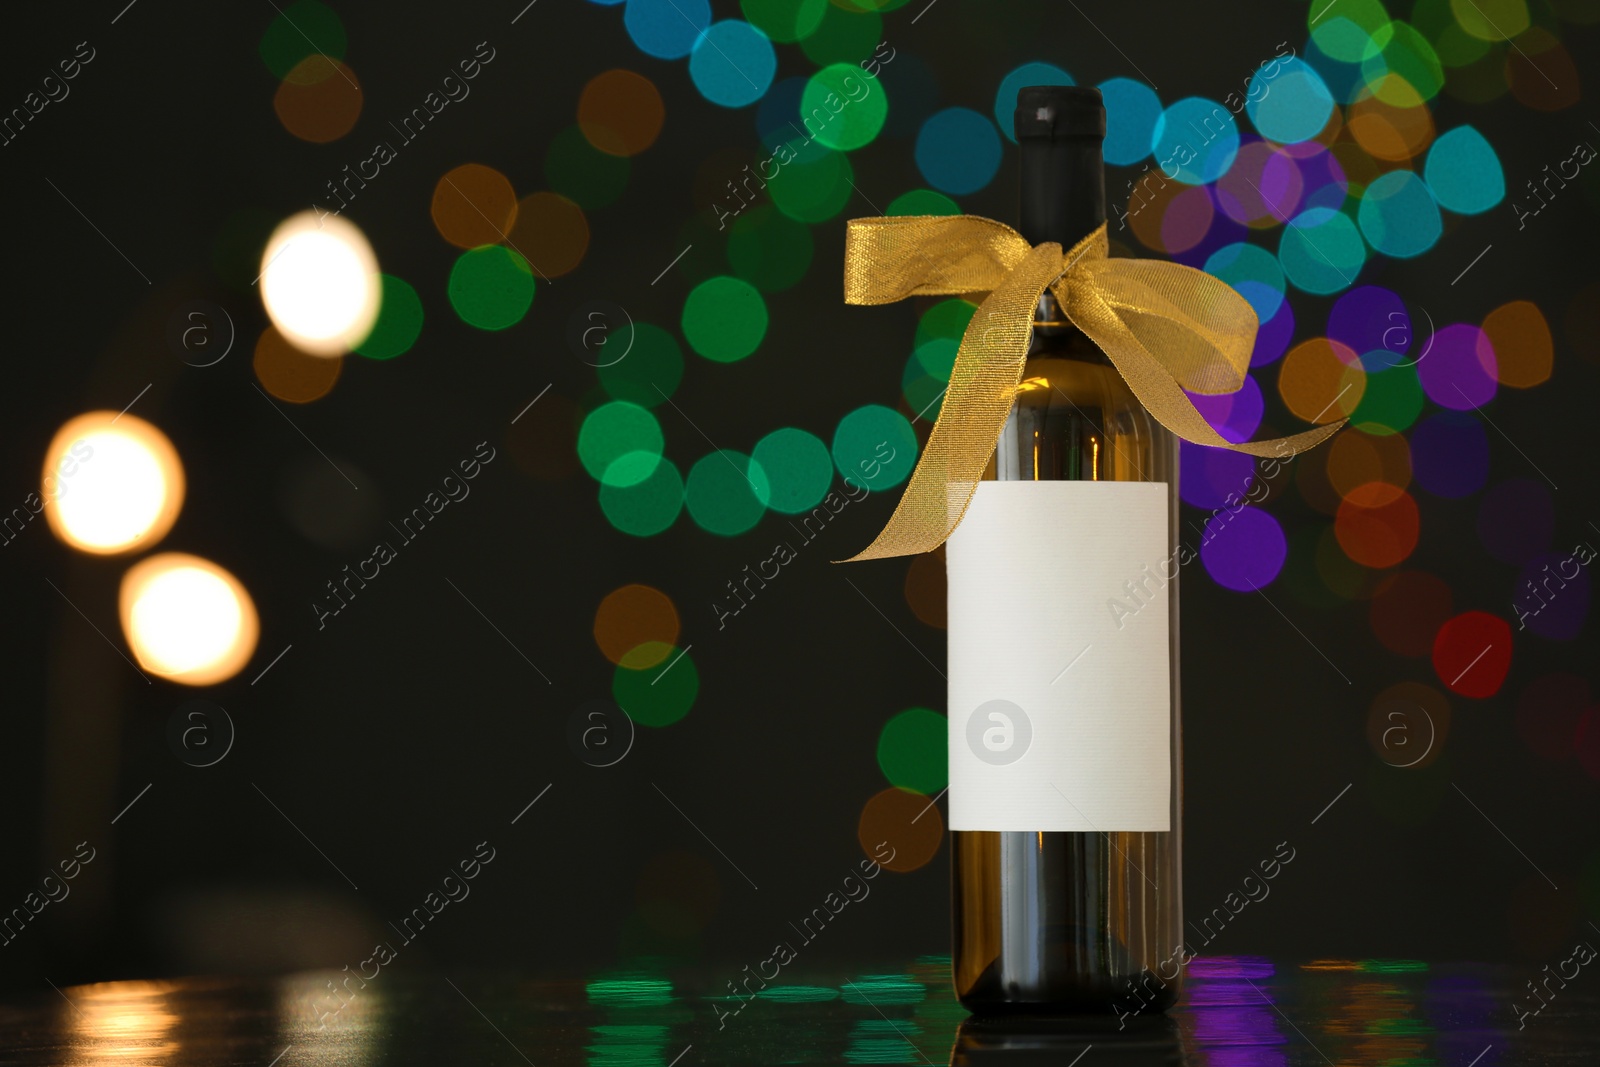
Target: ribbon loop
x: 1166, y: 328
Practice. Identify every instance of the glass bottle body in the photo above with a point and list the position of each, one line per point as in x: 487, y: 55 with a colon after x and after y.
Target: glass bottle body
x: 1066, y: 922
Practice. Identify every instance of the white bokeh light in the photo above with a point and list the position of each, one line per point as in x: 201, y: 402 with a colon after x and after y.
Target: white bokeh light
x: 111, y: 483
x: 187, y: 620
x: 320, y: 283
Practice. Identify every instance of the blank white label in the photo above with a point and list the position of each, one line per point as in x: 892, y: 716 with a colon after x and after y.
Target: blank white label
x: 1060, y: 696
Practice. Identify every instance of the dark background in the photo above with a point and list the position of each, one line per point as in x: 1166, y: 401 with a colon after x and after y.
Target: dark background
x: 407, y: 731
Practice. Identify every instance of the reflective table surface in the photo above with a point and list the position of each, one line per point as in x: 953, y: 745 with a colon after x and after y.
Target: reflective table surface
x: 1238, y: 1011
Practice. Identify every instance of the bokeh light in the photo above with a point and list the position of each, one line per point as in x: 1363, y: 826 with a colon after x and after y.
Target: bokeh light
x: 302, y: 29
x: 399, y: 321
x: 1132, y: 110
x: 1464, y: 172
x: 1195, y: 140
x: 900, y: 830
x: 726, y: 493
x: 845, y: 35
x: 1459, y: 371
x: 724, y: 319
x: 1519, y: 337
x: 1292, y: 105
x: 666, y: 29
x: 291, y: 374
x: 319, y: 282
x: 1213, y: 477
x: 1377, y: 524
x: 1244, y: 549
x: 1472, y: 654
x: 785, y: 21
x: 551, y: 233
x: 1548, y: 713
x: 1253, y: 272
x: 922, y: 202
x: 813, y: 190
x: 661, y: 694
x: 648, y: 372
x: 319, y: 100
x: 1354, y: 459
x: 473, y: 205
x: 843, y: 108
x: 1398, y: 215
x: 620, y: 443
x: 646, y: 508
x: 797, y: 467
x: 186, y: 619
x: 1273, y: 337
x: 635, y: 626
x: 1407, y: 610
x: 1551, y: 594
x: 1321, y: 380
x: 732, y: 63
x: 1321, y: 251
x: 582, y: 173
x: 875, y: 447
x: 111, y: 483
x: 958, y: 151
x: 491, y: 287
x: 621, y: 112
x: 768, y: 249
x: 912, y: 750
x: 1450, y: 454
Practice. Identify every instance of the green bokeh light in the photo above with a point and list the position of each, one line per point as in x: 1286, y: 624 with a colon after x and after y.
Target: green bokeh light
x: 785, y: 21
x: 582, y: 173
x: 798, y: 469
x: 768, y: 249
x: 843, y: 36
x: 620, y: 443
x: 912, y: 751
x: 1321, y: 251
x: 301, y: 29
x: 659, y: 695
x: 651, y: 370
x: 399, y: 321
x: 843, y: 108
x: 726, y: 493
x: 922, y: 202
x: 1347, y: 33
x: 947, y: 318
x: 647, y: 508
x: 491, y: 287
x: 1400, y: 49
x: 875, y: 447
x: 724, y: 319
x: 1390, y: 403
x: 813, y: 190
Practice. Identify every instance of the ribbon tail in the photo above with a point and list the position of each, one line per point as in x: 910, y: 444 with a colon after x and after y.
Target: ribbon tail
x: 1153, y: 383
x: 983, y: 385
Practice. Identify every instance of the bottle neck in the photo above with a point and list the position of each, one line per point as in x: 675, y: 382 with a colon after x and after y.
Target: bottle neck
x: 1063, y: 200
x: 1063, y: 189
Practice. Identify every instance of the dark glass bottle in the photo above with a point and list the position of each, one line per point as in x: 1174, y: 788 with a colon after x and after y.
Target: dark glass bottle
x: 1066, y: 922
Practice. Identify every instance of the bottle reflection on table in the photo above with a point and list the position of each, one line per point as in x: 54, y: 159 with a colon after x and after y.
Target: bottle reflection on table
x: 1147, y: 1041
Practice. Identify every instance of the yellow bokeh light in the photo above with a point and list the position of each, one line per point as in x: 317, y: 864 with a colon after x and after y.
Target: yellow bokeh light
x: 186, y: 619
x: 111, y: 483
x: 320, y: 284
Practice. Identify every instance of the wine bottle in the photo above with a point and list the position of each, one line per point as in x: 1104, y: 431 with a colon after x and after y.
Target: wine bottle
x: 1065, y: 763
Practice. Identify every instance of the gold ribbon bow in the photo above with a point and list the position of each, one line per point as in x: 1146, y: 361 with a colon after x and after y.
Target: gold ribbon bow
x: 1165, y: 327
